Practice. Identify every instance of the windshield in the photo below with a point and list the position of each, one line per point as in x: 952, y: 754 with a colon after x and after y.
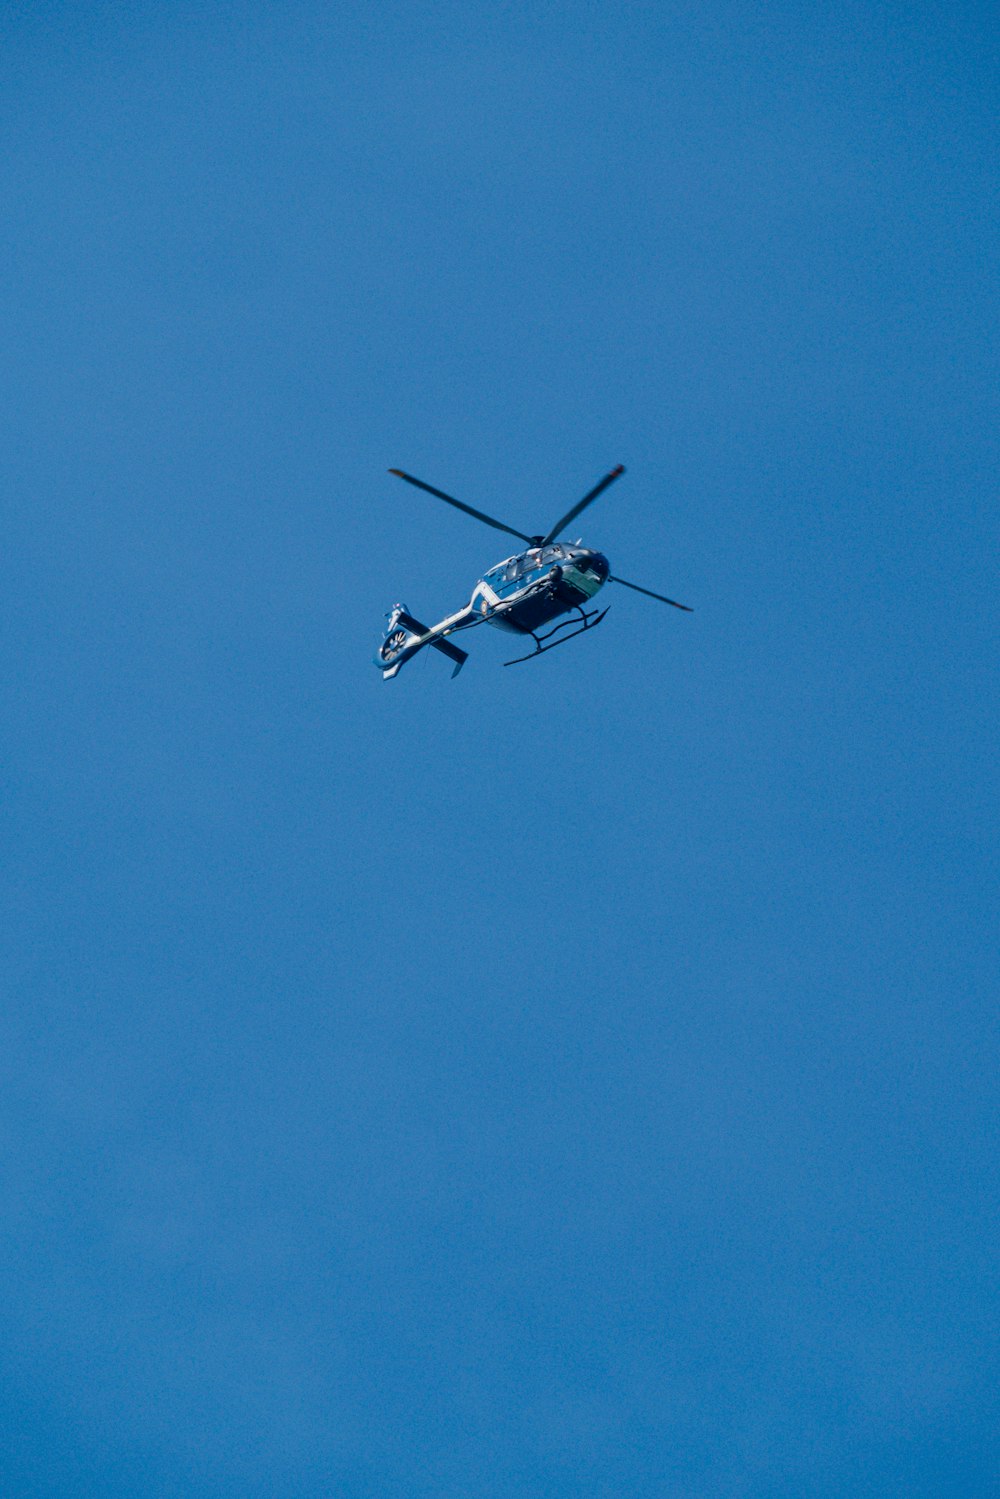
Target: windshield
x: 516, y: 568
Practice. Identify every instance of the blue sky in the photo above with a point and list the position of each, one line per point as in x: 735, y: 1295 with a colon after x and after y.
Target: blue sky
x: 578, y: 1080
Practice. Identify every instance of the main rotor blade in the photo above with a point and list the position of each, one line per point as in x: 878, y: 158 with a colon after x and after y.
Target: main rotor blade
x: 650, y: 594
x: 582, y: 504
x: 488, y: 520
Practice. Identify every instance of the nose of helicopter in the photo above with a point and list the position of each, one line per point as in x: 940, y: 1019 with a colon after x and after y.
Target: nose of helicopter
x: 593, y: 562
x: 583, y: 573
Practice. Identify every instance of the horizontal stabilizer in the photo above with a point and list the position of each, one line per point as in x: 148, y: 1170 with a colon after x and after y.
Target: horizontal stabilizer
x: 444, y: 646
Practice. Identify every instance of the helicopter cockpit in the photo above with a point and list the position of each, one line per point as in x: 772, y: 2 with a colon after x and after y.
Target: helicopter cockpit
x: 516, y: 568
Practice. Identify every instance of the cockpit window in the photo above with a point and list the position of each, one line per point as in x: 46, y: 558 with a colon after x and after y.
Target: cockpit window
x: 516, y: 568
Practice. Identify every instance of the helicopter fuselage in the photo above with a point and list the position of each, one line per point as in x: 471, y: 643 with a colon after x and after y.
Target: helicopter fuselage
x: 523, y: 593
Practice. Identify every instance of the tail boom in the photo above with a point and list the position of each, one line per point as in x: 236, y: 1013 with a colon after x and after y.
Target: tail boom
x: 405, y: 636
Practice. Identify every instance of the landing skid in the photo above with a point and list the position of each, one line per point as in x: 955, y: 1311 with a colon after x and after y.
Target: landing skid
x: 590, y: 621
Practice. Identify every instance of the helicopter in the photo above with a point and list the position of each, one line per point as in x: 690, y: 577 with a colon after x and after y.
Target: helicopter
x: 522, y: 595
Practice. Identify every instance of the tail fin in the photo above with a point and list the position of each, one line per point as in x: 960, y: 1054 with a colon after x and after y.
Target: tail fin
x: 404, y: 637
x: 395, y: 641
